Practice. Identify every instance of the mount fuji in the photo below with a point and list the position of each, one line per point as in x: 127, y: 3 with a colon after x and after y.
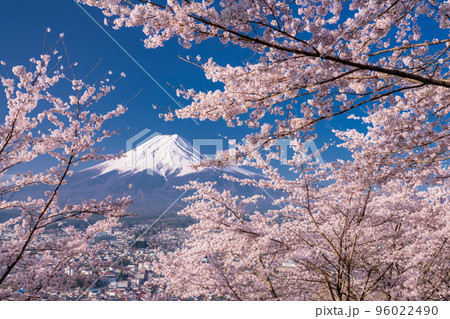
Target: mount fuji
x: 149, y: 174
x: 164, y: 155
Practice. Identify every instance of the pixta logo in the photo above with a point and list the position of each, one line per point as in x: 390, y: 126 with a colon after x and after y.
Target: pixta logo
x: 308, y: 153
x: 141, y: 154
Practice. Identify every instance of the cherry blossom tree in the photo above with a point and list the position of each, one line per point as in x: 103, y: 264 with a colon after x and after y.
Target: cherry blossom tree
x: 373, y: 227
x: 336, y: 234
x: 61, y: 130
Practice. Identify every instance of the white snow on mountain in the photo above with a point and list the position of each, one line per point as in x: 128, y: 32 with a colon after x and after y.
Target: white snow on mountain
x: 150, y: 174
x: 164, y: 155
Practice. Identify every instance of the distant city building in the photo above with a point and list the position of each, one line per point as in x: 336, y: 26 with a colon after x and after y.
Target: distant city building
x: 123, y: 284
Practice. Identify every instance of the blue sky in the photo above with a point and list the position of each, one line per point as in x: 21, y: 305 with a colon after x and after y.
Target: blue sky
x: 22, y: 28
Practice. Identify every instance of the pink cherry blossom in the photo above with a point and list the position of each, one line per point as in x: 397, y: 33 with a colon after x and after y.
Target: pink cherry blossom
x: 33, y: 258
x: 374, y: 227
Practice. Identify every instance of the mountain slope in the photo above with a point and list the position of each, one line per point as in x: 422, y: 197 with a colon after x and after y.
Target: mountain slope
x: 149, y: 173
x: 164, y: 155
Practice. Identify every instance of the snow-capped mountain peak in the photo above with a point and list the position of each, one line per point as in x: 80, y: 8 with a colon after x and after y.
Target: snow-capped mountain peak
x: 161, y: 155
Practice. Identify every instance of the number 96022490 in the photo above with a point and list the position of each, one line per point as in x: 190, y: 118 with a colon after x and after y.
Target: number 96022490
x: 406, y: 310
